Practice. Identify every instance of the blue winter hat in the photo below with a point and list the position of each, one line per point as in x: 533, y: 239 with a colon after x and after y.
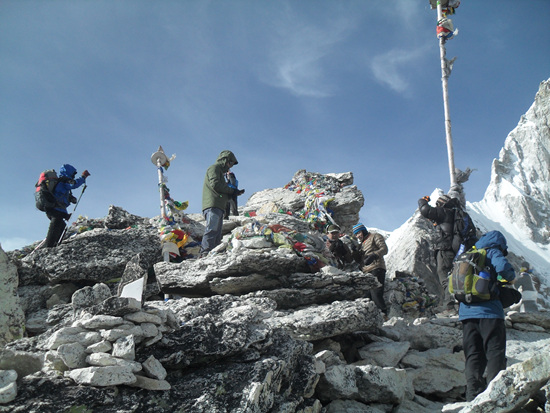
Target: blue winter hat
x: 67, y: 170
x: 358, y: 228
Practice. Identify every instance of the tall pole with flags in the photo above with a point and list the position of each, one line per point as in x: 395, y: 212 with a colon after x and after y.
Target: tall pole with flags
x: 159, y: 159
x: 445, y: 32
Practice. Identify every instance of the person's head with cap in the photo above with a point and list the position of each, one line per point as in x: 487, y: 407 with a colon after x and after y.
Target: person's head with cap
x: 333, y: 232
x: 360, y: 231
x: 442, y: 200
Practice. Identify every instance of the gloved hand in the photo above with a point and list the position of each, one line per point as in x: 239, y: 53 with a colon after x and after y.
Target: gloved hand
x: 427, y: 198
x: 85, y: 174
x: 240, y: 192
x: 369, y: 259
x: 72, y: 199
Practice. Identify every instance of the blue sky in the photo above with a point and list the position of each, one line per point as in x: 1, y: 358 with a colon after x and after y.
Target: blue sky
x: 327, y: 86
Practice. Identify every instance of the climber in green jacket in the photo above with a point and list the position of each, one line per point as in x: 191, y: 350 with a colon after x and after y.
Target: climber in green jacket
x: 216, y: 192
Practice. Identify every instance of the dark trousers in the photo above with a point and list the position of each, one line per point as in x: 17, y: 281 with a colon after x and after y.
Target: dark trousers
x: 377, y: 294
x: 444, y: 261
x: 484, y: 342
x: 231, y: 208
x: 57, y: 226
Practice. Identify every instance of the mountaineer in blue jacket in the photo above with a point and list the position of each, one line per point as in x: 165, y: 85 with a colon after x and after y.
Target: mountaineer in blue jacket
x: 64, y: 198
x: 484, y: 331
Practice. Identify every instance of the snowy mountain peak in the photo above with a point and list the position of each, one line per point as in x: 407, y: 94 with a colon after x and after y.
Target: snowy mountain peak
x: 516, y: 202
x: 520, y: 178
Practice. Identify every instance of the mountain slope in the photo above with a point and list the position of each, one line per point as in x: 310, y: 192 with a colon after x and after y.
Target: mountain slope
x: 516, y: 202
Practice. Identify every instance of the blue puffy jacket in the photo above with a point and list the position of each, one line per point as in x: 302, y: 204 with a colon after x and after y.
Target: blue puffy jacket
x: 64, y: 186
x: 495, y: 245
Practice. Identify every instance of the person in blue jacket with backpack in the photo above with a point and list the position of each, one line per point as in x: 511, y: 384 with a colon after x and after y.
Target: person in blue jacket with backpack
x: 484, y: 331
x: 64, y: 197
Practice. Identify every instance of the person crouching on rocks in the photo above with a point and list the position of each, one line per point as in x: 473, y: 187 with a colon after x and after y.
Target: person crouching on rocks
x: 337, y: 250
x: 371, y: 259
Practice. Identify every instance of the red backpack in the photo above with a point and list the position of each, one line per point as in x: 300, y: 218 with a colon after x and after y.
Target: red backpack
x: 45, y: 186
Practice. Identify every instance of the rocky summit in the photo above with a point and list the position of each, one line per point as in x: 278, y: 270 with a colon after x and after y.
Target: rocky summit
x: 124, y: 317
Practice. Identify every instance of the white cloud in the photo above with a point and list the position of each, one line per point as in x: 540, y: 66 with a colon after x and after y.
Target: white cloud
x: 299, y: 49
x: 391, y: 68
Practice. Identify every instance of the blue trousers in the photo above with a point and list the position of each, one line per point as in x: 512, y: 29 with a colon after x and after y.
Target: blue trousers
x: 213, y: 234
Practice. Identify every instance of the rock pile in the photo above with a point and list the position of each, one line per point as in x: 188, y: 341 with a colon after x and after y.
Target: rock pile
x: 253, y: 327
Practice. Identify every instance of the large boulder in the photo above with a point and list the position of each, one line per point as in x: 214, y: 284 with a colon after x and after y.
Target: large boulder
x: 12, y: 317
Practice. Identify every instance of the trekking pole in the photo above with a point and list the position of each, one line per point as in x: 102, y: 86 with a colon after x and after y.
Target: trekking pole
x: 75, y: 205
x: 37, y: 247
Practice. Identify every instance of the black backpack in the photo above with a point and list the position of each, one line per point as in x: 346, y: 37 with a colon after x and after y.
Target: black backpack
x: 464, y: 231
x: 45, y: 186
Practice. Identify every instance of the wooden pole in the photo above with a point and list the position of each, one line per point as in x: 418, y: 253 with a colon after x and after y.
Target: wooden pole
x: 445, y: 72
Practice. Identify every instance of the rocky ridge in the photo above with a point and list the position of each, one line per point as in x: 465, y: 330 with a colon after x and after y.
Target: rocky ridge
x: 263, y: 324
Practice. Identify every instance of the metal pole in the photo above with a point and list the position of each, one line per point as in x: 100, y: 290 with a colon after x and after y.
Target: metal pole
x: 445, y: 72
x: 159, y: 159
x: 161, y: 190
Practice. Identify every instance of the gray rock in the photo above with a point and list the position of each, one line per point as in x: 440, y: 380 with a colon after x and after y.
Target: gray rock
x: 351, y: 406
x: 73, y: 355
x: 148, y: 383
x: 154, y: 369
x: 305, y: 289
x: 118, y: 218
x: 437, y: 372
x: 67, y: 335
x: 102, y: 376
x: 98, y: 255
x: 125, y: 348
x: 100, y: 322
x: 541, y: 320
x: 116, y: 306
x: 90, y: 296
x: 423, y: 334
x: 384, y: 353
x: 102, y: 347
x: 513, y: 387
x: 23, y: 362
x: 136, y: 269
x: 12, y: 318
x: 106, y: 360
x: 121, y: 331
x: 366, y: 384
x: 323, y: 321
x: 8, y: 386
x: 144, y: 317
x: 194, y: 277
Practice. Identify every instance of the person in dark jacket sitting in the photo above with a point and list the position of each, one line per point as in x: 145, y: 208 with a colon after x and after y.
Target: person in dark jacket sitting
x: 484, y: 330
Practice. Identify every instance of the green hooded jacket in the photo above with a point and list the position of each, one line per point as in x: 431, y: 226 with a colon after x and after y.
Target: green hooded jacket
x: 215, y: 191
